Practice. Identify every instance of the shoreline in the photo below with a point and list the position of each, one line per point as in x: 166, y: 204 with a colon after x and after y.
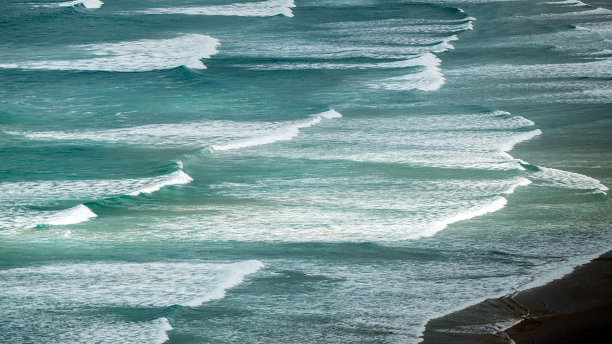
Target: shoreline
x: 576, y: 308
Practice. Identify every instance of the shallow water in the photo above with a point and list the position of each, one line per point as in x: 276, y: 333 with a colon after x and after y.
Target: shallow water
x: 293, y: 171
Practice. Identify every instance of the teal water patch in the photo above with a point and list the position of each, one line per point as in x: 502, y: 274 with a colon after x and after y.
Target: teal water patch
x: 285, y: 171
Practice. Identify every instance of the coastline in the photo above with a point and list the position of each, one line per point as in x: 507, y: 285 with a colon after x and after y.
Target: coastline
x: 576, y: 308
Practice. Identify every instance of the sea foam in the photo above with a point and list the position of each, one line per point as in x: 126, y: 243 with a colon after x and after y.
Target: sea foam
x: 283, y: 133
x: 133, y: 56
x: 66, y: 290
x: 215, y: 134
x: 567, y: 3
x: 249, y: 9
x: 159, y: 284
x: 16, y: 198
x: 84, y: 3
x: 495, y: 205
x: 429, y: 78
x: 563, y: 179
x: 77, y: 214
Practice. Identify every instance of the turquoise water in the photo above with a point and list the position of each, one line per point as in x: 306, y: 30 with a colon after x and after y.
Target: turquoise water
x: 293, y: 171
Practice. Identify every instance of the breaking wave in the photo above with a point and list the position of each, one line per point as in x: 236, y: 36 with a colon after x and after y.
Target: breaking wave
x: 132, y: 56
x: 429, y: 78
x: 217, y: 135
x: 249, y: 9
x: 17, y: 198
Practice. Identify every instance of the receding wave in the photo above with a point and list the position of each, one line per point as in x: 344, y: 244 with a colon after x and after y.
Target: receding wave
x: 132, y: 56
x: 247, y: 9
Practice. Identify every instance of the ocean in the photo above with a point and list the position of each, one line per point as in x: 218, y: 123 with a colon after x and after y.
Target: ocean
x: 294, y: 171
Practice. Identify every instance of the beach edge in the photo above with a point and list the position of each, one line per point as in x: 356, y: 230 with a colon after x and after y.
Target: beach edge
x: 576, y: 308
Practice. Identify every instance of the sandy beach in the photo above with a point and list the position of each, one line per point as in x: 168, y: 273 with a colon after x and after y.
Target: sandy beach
x: 574, y: 309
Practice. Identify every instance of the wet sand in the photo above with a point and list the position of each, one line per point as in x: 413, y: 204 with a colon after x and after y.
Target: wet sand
x: 574, y: 309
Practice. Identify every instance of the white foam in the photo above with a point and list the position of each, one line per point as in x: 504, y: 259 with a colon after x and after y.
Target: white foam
x: 163, y: 326
x: 354, y: 209
x: 330, y: 114
x: 516, y: 139
x: 247, y: 9
x: 220, y: 135
x: 77, y: 214
x: 595, y: 69
x: 495, y: 205
x: 70, y: 291
x: 132, y: 56
x: 284, y: 133
x: 405, y: 63
x: 17, y: 197
x: 567, y: 3
x: 578, y: 14
x: 565, y: 179
x: 122, y: 284
x: 430, y: 78
x: 19, y: 218
x: 602, y: 29
x: 84, y: 3
x: 473, y: 141
x: 175, y: 178
x: 40, y: 192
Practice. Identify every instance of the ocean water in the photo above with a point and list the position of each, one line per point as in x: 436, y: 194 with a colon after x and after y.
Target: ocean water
x: 293, y: 171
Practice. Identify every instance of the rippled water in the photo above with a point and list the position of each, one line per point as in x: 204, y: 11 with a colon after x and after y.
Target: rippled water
x: 293, y: 171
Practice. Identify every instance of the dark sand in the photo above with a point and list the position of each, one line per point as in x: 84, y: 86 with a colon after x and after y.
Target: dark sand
x: 574, y: 309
